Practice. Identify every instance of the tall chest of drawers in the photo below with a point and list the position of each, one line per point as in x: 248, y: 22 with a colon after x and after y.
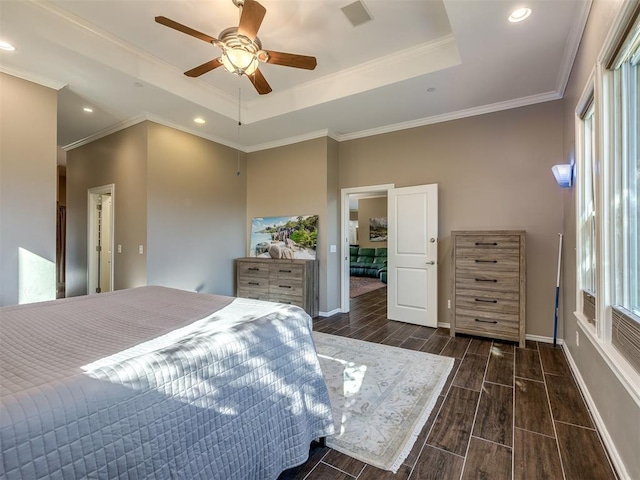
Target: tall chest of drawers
x: 293, y: 282
x: 489, y: 284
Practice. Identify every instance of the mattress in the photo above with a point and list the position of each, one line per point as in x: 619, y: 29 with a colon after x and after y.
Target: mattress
x: 158, y: 383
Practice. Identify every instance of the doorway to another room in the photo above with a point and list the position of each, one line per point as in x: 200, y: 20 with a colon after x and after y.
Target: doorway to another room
x: 100, y: 239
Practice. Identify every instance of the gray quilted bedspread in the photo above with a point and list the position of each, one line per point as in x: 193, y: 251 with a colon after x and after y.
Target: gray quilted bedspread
x: 157, y: 383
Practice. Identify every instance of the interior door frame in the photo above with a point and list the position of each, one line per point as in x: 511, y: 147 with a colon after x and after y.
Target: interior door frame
x: 92, y: 254
x: 344, y: 235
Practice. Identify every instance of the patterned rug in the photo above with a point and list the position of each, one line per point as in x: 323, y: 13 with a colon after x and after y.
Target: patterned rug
x: 381, y: 396
x: 361, y: 285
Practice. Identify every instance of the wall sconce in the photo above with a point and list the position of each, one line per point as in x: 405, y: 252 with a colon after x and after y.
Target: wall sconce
x: 563, y: 174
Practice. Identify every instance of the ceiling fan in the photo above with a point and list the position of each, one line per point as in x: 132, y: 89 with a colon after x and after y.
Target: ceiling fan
x: 241, y: 48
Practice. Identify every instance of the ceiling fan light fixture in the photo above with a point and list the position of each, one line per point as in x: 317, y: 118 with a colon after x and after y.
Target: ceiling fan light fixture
x: 239, y: 61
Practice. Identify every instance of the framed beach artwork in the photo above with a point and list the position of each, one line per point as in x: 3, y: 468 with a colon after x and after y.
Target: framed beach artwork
x: 284, y: 237
x: 378, y: 229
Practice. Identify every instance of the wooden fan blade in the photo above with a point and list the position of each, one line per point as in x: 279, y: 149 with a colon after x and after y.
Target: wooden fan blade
x: 291, y: 60
x: 204, y: 68
x: 261, y: 84
x: 167, y: 22
x: 251, y: 18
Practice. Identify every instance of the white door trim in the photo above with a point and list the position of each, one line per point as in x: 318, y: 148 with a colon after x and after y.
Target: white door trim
x: 92, y: 254
x: 344, y: 235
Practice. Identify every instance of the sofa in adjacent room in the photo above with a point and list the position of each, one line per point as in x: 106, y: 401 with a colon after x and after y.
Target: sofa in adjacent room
x: 368, y: 262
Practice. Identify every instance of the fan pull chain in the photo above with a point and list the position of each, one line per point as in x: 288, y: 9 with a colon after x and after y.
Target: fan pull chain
x: 239, y: 125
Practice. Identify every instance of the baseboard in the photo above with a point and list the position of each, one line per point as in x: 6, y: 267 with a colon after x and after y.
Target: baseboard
x: 444, y: 325
x: 331, y: 313
x: 618, y: 465
x: 541, y: 339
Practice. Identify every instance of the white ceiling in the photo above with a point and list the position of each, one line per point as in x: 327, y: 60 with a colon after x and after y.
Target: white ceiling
x: 417, y: 62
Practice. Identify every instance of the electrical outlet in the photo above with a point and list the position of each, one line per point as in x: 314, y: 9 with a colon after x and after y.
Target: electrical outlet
x: 449, y: 304
x: 577, y: 339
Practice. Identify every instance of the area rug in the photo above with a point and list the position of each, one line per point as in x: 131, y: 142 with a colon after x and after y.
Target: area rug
x: 381, y: 396
x: 361, y: 285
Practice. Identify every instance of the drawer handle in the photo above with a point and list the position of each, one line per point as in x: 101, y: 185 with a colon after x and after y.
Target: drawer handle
x: 492, y: 244
x: 485, y: 321
x: 253, y: 283
x: 484, y: 280
x: 254, y: 269
x: 486, y: 261
x: 254, y: 298
x: 284, y: 271
x: 288, y: 303
x: 486, y: 301
x: 284, y: 286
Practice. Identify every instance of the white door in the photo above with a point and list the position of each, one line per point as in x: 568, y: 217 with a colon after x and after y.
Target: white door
x: 104, y: 241
x: 412, y: 289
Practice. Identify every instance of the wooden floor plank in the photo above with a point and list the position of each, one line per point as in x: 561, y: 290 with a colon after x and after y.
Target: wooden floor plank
x: 456, y: 347
x: 553, y: 361
x: 566, y: 402
x: 528, y: 364
x: 322, y: 471
x: 435, y: 344
x: 487, y: 460
x: 344, y: 462
x: 422, y: 437
x: 500, y: 368
x: 583, y: 456
x: 494, y: 420
x: 435, y: 464
x: 471, y: 372
x: 452, y: 429
x: 479, y: 346
x: 531, y: 407
x: 535, y: 456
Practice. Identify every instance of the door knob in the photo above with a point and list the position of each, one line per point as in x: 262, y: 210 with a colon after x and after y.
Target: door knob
x: 431, y: 263
x: 432, y: 240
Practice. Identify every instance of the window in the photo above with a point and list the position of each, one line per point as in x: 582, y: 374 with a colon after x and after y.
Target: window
x: 586, y: 215
x: 625, y: 172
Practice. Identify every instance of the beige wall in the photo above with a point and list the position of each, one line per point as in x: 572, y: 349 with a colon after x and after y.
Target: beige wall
x: 618, y: 410
x: 120, y: 159
x: 370, y: 208
x: 300, y: 179
x: 28, y: 129
x: 196, y: 211
x: 493, y: 172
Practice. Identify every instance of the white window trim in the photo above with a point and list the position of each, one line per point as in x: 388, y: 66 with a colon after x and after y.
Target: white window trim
x: 599, y: 86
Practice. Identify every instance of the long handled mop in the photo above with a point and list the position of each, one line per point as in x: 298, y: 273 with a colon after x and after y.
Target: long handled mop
x: 555, y: 320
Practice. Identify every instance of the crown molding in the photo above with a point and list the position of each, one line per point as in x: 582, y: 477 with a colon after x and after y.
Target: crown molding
x: 571, y: 48
x: 30, y: 77
x: 470, y: 112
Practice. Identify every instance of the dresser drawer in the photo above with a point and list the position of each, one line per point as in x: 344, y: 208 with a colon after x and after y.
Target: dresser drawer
x: 283, y: 286
x: 485, y: 302
x: 254, y: 294
x: 253, y: 269
x: 489, y: 281
x: 485, y: 260
x: 488, y: 242
x: 287, y: 299
x: 286, y: 271
x: 487, y: 325
x: 253, y: 283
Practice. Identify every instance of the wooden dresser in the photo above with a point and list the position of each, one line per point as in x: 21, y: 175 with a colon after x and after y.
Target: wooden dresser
x: 489, y: 284
x: 284, y: 281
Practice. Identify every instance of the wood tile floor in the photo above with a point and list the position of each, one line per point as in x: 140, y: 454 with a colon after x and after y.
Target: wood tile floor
x: 505, y: 412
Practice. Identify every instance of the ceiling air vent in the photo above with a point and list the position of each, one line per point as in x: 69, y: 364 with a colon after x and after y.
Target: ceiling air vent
x: 356, y: 13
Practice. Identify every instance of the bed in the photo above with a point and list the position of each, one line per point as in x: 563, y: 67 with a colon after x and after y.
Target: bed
x: 159, y: 383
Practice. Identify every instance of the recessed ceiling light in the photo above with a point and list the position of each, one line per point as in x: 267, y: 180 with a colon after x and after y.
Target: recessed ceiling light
x: 88, y: 109
x: 199, y: 120
x: 6, y: 46
x: 519, y: 15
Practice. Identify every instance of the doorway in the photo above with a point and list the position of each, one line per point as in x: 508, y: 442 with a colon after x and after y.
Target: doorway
x: 347, y: 229
x: 412, y: 232
x: 100, y: 239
